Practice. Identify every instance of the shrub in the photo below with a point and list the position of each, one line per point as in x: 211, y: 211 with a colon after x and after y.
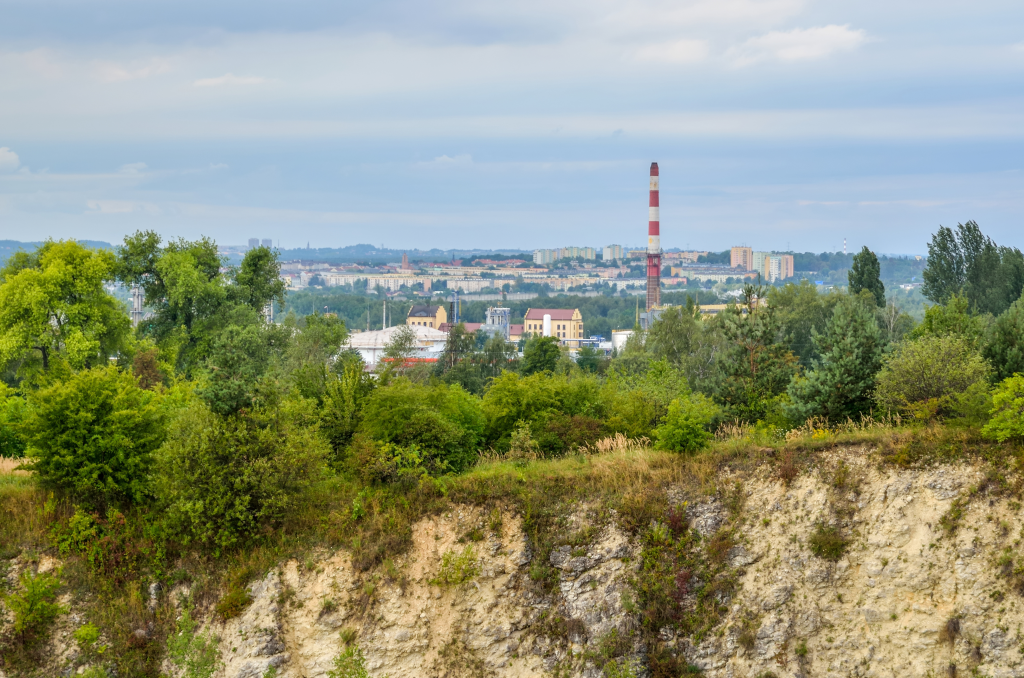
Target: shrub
x: 224, y: 479
x: 34, y: 608
x: 444, y: 422
x: 685, y: 426
x: 110, y: 545
x: 87, y: 637
x: 457, y: 568
x: 1007, y: 421
x: 196, y: 655
x: 936, y: 370
x: 827, y: 542
x: 349, y: 663
x: 94, y: 434
x: 12, y: 413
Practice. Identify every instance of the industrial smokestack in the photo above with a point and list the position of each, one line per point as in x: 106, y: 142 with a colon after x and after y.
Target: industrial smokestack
x: 654, y: 244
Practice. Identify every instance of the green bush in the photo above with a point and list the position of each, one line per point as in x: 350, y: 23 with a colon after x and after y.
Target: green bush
x: 827, y: 542
x: 195, y: 654
x: 34, y: 607
x: 685, y: 427
x: 930, y: 374
x: 110, y: 545
x: 12, y: 414
x: 457, y: 568
x: 349, y: 663
x: 88, y: 637
x: 444, y: 423
x: 223, y: 479
x: 94, y: 434
x: 1007, y: 421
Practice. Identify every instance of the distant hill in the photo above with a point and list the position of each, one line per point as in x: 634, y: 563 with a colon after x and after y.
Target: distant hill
x: 9, y: 247
x: 369, y: 253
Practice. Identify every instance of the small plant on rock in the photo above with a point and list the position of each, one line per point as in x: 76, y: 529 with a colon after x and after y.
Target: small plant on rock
x: 827, y: 542
x: 87, y: 637
x: 350, y: 663
x: 457, y: 568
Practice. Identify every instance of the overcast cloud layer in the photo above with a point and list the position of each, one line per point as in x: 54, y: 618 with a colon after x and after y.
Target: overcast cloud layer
x: 782, y: 124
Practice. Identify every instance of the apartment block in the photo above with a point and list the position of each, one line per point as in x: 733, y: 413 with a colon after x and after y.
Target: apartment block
x: 612, y: 253
x: 742, y: 257
x: 544, y: 257
x: 579, y: 253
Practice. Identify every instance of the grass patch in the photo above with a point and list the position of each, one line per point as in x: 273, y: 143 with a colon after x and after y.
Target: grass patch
x: 827, y: 542
x: 457, y: 568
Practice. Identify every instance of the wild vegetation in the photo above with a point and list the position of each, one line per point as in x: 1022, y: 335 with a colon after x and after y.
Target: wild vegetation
x: 206, y: 445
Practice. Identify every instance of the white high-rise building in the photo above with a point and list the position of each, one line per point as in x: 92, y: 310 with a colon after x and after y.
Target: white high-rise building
x: 612, y: 253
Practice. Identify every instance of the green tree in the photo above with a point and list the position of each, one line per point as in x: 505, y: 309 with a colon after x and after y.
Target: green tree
x: 588, y: 359
x: 841, y: 381
x: 541, y: 354
x: 343, y: 401
x: 240, y: 355
x: 991, y: 277
x: 1007, y: 421
x: 755, y: 367
x: 315, y: 343
x: 865, y: 274
x: 683, y: 338
x: 400, y: 347
x: 183, y: 285
x: 931, y: 376
x: 685, y: 427
x: 53, y: 305
x: 955, y: 318
x: 223, y: 480
x: 1003, y: 345
x: 801, y: 310
x: 257, y: 280
x: 94, y: 434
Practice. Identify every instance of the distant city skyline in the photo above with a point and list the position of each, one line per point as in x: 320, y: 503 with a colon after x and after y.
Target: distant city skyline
x: 528, y: 125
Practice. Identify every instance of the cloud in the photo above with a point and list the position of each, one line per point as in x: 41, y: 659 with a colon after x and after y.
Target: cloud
x: 110, y: 71
x: 9, y: 160
x: 229, y: 79
x: 446, y: 161
x: 132, y: 168
x: 120, y: 207
x: 675, y: 52
x: 799, y: 44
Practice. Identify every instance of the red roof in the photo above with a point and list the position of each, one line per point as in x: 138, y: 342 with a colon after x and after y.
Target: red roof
x: 515, y: 330
x: 555, y: 313
x: 470, y: 327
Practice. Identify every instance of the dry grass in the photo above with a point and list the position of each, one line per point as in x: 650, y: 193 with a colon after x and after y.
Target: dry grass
x: 10, y: 467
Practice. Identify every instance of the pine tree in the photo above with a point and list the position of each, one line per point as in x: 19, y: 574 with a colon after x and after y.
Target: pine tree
x: 842, y: 380
x: 866, y: 274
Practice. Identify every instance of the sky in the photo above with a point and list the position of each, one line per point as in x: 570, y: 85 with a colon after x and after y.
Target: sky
x: 778, y: 124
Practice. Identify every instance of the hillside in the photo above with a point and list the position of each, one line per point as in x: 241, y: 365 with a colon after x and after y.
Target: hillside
x: 863, y: 552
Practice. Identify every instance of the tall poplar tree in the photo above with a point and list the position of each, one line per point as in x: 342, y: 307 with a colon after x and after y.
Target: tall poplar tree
x: 866, y: 274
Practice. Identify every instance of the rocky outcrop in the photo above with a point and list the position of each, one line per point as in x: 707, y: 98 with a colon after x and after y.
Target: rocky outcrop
x: 497, y: 623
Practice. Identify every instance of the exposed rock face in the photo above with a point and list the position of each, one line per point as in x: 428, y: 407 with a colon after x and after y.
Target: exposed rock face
x: 880, y: 610
x: 490, y: 625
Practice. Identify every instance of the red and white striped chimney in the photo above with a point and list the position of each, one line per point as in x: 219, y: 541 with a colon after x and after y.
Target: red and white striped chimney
x: 654, y: 244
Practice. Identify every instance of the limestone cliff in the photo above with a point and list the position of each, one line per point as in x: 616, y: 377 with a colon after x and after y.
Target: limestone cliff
x: 926, y: 581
